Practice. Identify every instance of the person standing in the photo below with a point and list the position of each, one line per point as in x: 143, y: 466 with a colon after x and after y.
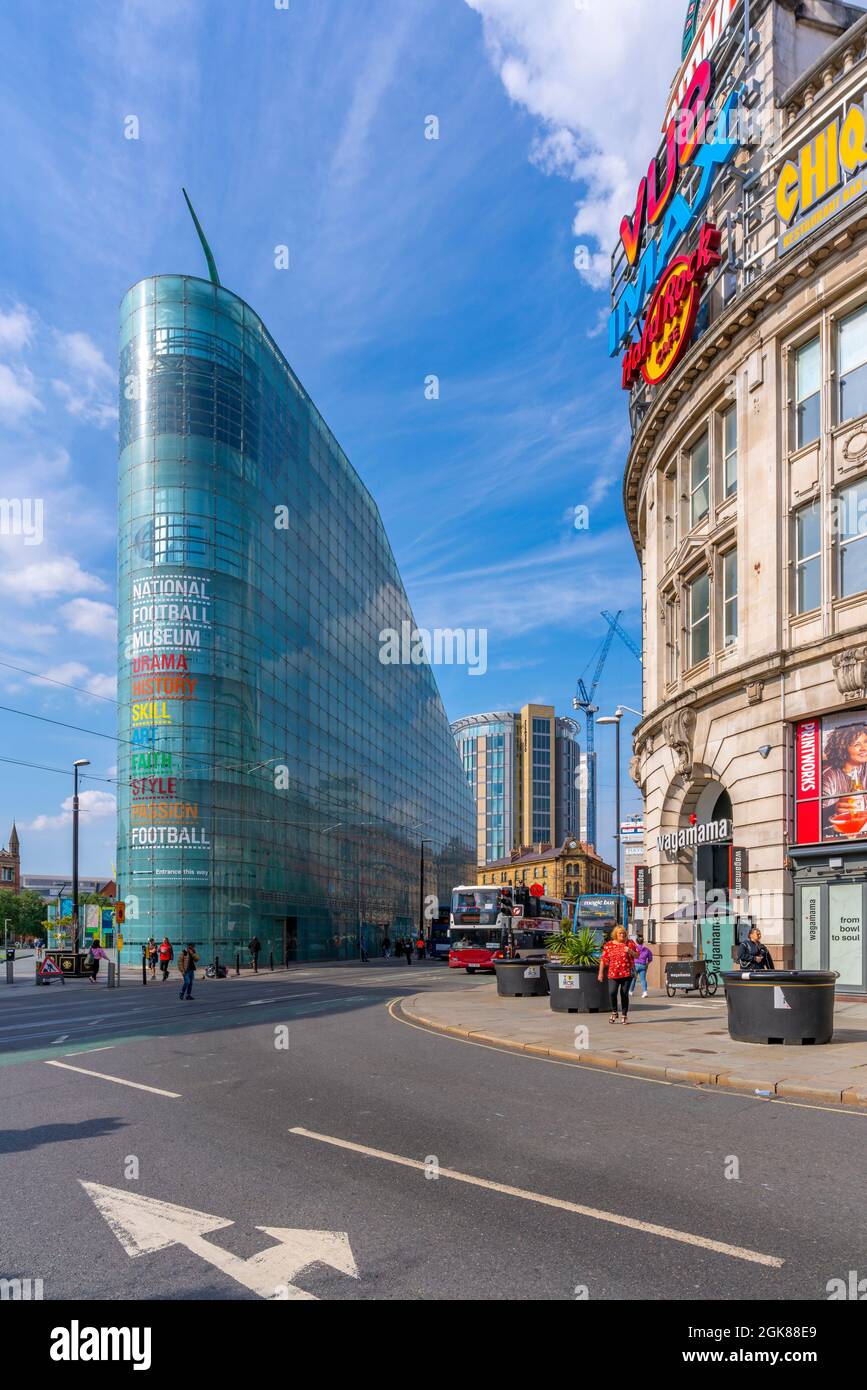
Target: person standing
x: 94, y: 956
x: 187, y: 965
x: 753, y: 954
x: 407, y: 946
x: 386, y: 947
x: 419, y: 946
x: 152, y: 956
x: 254, y: 948
x: 167, y: 955
x: 618, y: 956
x: 643, y: 959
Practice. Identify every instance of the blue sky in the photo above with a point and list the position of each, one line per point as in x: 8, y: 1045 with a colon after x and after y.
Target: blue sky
x: 408, y: 257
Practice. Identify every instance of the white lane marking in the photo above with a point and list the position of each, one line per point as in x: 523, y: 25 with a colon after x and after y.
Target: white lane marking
x: 86, y: 1051
x: 719, y: 1247
x: 64, y: 1037
x: 146, y: 1224
x: 118, y: 1080
x: 278, y: 998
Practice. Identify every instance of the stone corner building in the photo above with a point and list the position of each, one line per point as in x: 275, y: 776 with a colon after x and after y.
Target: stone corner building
x: 746, y: 494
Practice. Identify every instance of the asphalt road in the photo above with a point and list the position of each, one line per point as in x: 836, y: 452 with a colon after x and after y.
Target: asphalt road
x: 301, y: 1102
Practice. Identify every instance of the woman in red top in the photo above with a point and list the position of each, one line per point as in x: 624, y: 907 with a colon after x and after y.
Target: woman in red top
x: 618, y: 955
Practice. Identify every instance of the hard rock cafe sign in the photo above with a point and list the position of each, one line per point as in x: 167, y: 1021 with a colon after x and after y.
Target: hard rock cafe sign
x: 671, y: 315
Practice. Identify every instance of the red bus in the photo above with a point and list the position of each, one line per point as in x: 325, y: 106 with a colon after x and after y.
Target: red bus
x: 480, y: 921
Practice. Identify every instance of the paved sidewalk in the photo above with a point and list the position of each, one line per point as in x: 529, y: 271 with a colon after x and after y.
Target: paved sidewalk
x: 675, y: 1040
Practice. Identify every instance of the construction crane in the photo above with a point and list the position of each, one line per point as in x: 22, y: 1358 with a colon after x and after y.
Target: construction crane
x: 584, y: 701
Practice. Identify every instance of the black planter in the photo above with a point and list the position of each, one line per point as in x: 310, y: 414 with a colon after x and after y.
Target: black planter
x: 513, y: 982
x: 575, y: 989
x: 780, y: 1006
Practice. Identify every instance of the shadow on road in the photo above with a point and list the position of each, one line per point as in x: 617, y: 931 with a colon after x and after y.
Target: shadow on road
x: 21, y: 1140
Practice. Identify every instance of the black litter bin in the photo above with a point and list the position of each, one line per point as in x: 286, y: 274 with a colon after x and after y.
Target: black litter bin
x: 780, y: 1006
x: 518, y: 978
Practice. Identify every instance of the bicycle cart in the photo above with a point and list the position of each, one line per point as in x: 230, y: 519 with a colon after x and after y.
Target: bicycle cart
x: 687, y: 975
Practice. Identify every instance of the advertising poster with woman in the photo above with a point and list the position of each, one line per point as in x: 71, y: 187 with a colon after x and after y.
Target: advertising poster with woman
x: 844, y: 777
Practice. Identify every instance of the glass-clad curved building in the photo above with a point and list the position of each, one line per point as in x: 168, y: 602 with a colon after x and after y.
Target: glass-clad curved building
x: 275, y: 778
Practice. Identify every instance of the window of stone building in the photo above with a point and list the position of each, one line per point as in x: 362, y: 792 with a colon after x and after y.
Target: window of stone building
x: 699, y: 619
x: 851, y: 511
x: 672, y: 643
x: 808, y: 567
x: 699, y: 481
x: 730, y: 451
x: 808, y: 362
x: 852, y: 365
x: 730, y: 597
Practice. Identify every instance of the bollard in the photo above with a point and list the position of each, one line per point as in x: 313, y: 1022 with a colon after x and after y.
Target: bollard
x: 216, y: 967
x: 238, y: 964
x: 144, y: 965
x: 271, y: 959
x: 9, y: 969
x: 109, y: 979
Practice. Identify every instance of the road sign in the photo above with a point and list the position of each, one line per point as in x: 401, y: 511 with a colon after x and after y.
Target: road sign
x: 120, y: 913
x: 49, y: 969
x: 518, y: 910
x: 144, y: 1225
x: 537, y: 890
x: 642, y: 885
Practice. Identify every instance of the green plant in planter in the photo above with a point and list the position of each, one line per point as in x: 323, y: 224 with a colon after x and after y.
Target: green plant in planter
x: 574, y: 948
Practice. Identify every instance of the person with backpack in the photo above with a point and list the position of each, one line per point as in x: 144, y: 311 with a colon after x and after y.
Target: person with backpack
x: 642, y: 960
x: 187, y: 966
x: 152, y: 956
x: 166, y: 955
x: 94, y: 956
x: 753, y: 954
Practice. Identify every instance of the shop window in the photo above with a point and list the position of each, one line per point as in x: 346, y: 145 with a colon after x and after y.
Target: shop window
x: 730, y: 451
x: 852, y: 365
x: 699, y: 619
x: 699, y: 481
x: 807, y: 395
x: 808, y: 544
x: 851, y: 512
x: 730, y: 597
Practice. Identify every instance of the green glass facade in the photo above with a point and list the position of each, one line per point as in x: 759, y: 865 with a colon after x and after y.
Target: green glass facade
x: 275, y: 778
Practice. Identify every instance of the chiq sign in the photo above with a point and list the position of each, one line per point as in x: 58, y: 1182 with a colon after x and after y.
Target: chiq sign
x: 818, y: 183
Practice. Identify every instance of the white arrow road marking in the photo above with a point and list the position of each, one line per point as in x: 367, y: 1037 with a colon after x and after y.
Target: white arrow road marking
x: 146, y: 1224
x: 719, y: 1247
x: 63, y: 1038
x: 118, y: 1080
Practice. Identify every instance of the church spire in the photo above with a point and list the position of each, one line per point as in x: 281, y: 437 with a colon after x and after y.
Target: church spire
x: 13, y: 840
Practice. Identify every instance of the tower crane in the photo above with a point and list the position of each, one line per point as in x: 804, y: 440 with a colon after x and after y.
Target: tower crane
x: 584, y: 701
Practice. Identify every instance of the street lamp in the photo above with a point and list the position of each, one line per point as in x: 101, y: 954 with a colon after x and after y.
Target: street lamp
x: 424, y: 842
x: 80, y: 762
x: 615, y: 720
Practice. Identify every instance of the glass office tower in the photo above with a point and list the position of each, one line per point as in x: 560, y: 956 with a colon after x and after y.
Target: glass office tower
x: 275, y: 778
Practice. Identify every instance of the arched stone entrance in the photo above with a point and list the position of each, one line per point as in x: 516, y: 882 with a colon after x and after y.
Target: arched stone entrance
x: 693, y: 871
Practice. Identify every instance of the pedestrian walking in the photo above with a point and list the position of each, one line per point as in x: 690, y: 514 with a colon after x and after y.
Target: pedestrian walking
x: 187, y: 963
x: 407, y: 946
x: 167, y: 955
x: 254, y: 948
x: 753, y: 954
x: 363, y: 952
x: 419, y: 946
x: 94, y: 956
x: 386, y: 948
x: 152, y: 956
x: 643, y: 959
x: 618, y: 957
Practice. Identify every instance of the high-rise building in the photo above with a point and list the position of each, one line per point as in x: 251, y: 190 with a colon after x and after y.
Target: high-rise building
x: 524, y: 772
x: 276, y: 776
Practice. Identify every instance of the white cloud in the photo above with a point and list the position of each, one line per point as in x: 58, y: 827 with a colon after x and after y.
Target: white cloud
x: 18, y: 398
x: 596, y: 77
x: 16, y: 329
x: 90, y: 617
x: 88, y: 390
x: 74, y: 673
x: 94, y: 805
x: 62, y: 575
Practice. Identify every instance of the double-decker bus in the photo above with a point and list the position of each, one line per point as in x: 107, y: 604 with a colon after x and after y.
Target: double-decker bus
x: 437, y: 935
x: 601, y: 912
x: 483, y: 927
